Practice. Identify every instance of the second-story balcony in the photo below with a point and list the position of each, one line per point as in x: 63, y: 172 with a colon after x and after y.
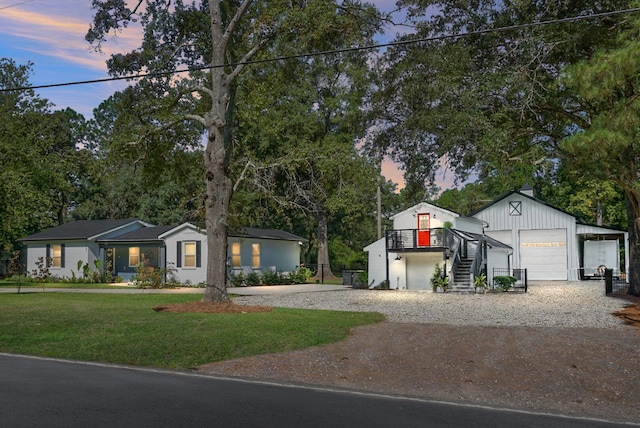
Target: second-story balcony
x: 437, y: 239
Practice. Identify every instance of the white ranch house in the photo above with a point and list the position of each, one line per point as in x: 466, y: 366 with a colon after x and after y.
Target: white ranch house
x: 130, y: 242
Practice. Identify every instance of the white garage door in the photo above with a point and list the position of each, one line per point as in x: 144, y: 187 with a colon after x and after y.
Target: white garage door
x: 544, y: 254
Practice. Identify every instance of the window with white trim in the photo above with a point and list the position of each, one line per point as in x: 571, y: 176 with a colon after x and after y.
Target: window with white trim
x: 134, y: 256
x: 235, y: 254
x: 255, y: 255
x: 189, y: 254
x: 56, y: 255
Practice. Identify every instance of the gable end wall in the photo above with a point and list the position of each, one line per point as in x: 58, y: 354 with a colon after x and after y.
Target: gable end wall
x: 534, y: 216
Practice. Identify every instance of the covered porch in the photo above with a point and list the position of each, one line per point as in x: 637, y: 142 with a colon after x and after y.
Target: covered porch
x: 122, y: 259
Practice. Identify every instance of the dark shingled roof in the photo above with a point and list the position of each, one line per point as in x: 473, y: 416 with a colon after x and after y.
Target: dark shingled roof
x: 144, y: 234
x: 81, y: 229
x: 254, y: 232
x: 84, y: 229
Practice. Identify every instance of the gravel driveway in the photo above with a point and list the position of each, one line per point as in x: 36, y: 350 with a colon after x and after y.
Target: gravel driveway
x: 555, y: 349
x: 548, y: 304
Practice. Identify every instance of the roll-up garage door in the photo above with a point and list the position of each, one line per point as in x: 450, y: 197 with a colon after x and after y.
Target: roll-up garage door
x: 544, y: 254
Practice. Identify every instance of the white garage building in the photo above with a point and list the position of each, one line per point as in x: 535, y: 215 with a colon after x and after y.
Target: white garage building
x: 546, y: 241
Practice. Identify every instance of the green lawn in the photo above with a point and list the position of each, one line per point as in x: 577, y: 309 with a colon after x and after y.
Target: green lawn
x: 124, y: 329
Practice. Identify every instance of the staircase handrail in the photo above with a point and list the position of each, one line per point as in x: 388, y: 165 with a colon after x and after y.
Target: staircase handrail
x: 453, y: 243
x: 479, y: 258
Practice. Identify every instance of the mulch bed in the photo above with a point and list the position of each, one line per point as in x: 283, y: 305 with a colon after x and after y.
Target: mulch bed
x: 212, y: 308
x: 631, y: 314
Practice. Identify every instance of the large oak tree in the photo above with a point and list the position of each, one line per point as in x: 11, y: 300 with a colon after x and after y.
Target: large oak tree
x: 219, y: 37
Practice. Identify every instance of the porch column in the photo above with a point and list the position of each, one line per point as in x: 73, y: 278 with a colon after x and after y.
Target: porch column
x: 386, y: 257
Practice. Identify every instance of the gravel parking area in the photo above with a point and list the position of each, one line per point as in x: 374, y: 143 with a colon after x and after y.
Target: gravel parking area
x: 548, y: 304
x: 556, y: 349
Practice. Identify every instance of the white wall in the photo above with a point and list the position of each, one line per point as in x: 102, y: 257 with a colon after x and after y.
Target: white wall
x: 194, y: 275
x: 75, y: 251
x: 34, y: 252
x: 496, y: 258
x: 534, y: 215
x: 377, y: 271
x: 408, y: 219
x: 468, y: 224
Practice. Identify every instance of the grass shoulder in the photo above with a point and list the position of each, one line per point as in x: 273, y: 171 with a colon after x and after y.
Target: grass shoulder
x: 124, y: 329
x: 26, y: 286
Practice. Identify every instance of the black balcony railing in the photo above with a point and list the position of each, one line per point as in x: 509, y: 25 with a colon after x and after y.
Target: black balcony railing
x: 411, y: 239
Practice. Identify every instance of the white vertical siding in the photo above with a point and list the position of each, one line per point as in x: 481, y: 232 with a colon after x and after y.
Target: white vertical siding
x: 377, y: 271
x: 496, y: 258
x: 408, y: 219
x: 468, y: 224
x: 533, y: 216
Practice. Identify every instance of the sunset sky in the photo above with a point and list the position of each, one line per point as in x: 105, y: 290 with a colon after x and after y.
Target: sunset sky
x: 50, y: 34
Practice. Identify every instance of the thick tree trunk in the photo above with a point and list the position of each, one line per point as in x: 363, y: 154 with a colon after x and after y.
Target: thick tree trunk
x: 219, y: 191
x: 324, y: 267
x: 218, y: 183
x: 633, y: 217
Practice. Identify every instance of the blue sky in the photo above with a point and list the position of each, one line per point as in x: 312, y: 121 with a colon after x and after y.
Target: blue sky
x: 50, y: 34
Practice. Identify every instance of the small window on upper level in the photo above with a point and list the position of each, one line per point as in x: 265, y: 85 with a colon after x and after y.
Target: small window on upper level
x: 515, y: 208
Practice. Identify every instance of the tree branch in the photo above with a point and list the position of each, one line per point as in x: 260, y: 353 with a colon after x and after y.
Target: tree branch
x: 231, y: 27
x: 197, y: 118
x: 241, y: 64
x: 203, y: 89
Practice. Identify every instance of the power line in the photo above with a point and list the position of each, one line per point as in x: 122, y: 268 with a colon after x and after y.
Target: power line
x: 16, y: 4
x: 329, y: 52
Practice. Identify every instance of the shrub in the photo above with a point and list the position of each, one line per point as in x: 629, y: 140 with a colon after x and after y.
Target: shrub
x: 253, y: 278
x: 42, y: 273
x: 148, y: 277
x: 480, y: 281
x: 439, y: 278
x: 504, y: 282
x: 270, y: 278
x: 285, y: 278
x: 362, y: 281
x: 300, y: 275
x: 237, y: 280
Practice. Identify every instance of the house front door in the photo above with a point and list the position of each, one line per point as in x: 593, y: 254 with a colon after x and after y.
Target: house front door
x: 424, y: 233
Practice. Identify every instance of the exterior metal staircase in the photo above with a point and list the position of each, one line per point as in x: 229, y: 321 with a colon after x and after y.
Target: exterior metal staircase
x: 462, y: 282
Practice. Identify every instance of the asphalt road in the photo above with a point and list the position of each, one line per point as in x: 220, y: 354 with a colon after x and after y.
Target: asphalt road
x: 38, y: 392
